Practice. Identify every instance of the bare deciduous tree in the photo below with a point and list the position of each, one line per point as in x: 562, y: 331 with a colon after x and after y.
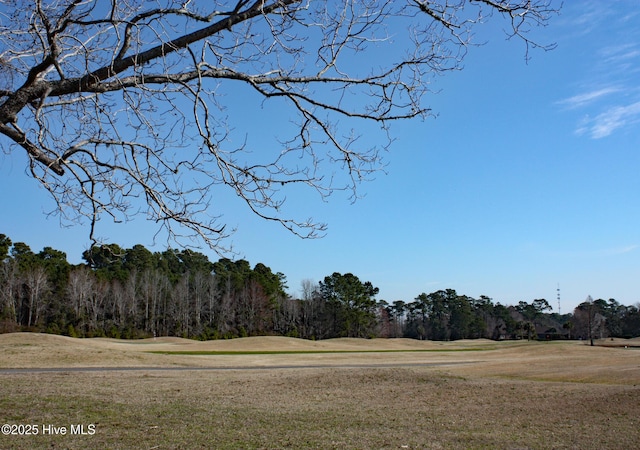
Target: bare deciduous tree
x: 124, y: 107
x: 80, y: 287
x: 37, y: 286
x: 9, y: 288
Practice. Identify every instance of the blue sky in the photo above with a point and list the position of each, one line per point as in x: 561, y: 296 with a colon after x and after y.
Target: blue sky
x: 526, y: 180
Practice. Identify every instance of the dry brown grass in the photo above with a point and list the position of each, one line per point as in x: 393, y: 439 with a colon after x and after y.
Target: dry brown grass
x: 486, y: 395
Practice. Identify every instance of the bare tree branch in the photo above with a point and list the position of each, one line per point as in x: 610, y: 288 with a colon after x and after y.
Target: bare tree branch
x: 120, y: 106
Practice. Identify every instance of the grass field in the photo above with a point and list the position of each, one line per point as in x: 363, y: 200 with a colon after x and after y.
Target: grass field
x: 274, y: 392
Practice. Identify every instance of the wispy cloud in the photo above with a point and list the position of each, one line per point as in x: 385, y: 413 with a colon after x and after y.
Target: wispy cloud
x: 622, y: 250
x: 608, y: 96
x: 592, y: 14
x: 610, y: 120
x: 620, y: 60
x: 620, y: 53
x: 588, y: 252
x: 581, y: 100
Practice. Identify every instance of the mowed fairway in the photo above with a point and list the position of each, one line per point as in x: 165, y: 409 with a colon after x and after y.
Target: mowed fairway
x: 274, y: 392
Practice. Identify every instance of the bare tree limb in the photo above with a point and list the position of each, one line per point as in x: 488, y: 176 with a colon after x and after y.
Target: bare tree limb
x: 119, y: 105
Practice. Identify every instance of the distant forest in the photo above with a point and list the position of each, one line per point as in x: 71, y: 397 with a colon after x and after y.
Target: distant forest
x: 135, y: 293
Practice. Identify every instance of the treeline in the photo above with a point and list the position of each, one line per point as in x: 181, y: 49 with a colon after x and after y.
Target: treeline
x: 130, y: 293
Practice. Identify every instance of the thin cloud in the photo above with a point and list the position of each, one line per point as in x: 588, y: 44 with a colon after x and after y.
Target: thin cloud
x: 609, y: 95
x: 591, y: 253
x: 611, y: 120
x: 622, y: 250
x: 620, y: 59
x: 581, y: 100
x: 620, y: 53
x: 593, y: 13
